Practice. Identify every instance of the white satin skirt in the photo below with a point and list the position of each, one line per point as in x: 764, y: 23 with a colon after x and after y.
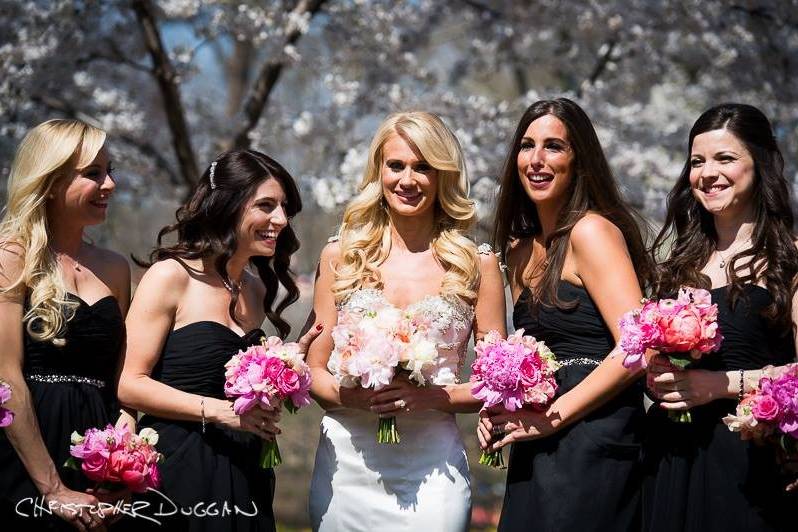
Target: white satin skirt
x: 422, y: 483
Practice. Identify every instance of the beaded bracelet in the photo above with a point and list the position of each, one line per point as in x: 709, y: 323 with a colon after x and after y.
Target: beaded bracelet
x: 742, y: 386
x: 202, y: 411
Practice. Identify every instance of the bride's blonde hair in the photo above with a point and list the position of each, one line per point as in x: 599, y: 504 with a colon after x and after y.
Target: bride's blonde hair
x: 49, y: 154
x: 365, y: 234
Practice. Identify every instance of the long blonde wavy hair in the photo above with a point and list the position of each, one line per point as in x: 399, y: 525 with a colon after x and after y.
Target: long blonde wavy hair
x: 49, y: 154
x: 365, y: 234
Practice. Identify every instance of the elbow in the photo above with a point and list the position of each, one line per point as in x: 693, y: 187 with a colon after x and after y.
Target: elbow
x: 126, y: 392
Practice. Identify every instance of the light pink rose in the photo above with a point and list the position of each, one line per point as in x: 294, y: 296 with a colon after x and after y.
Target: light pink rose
x: 95, y: 467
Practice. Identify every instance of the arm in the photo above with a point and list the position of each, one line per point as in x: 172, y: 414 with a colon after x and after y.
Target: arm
x: 603, y: 264
x: 24, y: 433
x: 324, y: 388
x: 489, y: 314
x: 120, y: 287
x: 149, y: 321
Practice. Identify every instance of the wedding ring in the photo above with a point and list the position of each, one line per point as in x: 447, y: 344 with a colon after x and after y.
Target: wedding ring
x: 401, y: 403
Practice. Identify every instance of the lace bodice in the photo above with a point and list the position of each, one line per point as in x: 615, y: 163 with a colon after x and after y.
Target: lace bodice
x: 451, y: 317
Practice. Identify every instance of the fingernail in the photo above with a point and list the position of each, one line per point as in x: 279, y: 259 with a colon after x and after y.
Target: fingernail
x: 319, y: 326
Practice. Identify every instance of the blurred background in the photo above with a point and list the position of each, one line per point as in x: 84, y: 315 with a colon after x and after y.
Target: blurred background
x: 176, y: 82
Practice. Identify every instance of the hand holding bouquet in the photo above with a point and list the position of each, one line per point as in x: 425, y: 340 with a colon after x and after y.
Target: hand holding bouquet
x: 514, y: 372
x: 117, y: 456
x: 770, y: 411
x: 371, y: 345
x: 268, y: 375
x: 684, y: 329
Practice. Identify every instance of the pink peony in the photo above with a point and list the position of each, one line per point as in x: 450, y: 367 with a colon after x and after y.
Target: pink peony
x: 681, y: 332
x: 118, y: 456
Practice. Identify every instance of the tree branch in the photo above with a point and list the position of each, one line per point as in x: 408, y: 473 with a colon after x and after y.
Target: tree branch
x: 164, y: 74
x: 601, y: 65
x: 147, y: 149
x: 269, y: 75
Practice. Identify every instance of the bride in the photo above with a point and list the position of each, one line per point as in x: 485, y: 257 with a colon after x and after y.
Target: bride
x: 402, y: 243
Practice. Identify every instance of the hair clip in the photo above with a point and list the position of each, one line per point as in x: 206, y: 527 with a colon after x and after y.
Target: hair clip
x: 213, y: 170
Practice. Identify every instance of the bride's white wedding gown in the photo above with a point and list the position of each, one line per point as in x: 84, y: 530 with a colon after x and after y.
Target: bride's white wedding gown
x: 421, y: 483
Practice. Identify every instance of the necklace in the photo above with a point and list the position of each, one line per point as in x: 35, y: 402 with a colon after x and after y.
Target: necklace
x: 724, y: 260
x: 231, y: 286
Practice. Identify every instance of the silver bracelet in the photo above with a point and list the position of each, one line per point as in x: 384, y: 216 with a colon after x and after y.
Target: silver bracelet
x: 202, y: 411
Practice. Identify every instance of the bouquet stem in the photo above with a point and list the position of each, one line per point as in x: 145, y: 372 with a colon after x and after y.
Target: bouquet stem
x: 494, y: 458
x: 680, y: 417
x: 387, y: 431
x: 270, y: 455
x: 683, y: 416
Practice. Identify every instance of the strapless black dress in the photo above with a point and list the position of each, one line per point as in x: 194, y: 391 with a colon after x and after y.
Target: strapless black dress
x: 587, y: 476
x: 699, y: 476
x: 214, y: 476
x: 72, y: 389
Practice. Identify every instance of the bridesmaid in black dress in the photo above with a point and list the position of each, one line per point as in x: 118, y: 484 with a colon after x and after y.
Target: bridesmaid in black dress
x: 731, y: 224
x: 202, y: 300
x: 62, y: 302
x: 576, y: 262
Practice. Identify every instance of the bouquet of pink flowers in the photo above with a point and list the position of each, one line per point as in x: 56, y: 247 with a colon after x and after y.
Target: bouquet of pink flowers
x: 6, y: 415
x: 371, y: 345
x: 268, y: 375
x: 685, y: 328
x: 117, y: 456
x: 770, y: 412
x: 514, y: 372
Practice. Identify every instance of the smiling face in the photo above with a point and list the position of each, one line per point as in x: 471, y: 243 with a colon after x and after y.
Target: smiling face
x: 721, y: 173
x: 83, y: 197
x: 409, y: 183
x: 263, y: 217
x: 545, y: 160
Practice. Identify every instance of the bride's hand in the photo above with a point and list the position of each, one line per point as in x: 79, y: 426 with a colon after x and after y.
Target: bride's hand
x: 403, y: 396
x: 356, y: 397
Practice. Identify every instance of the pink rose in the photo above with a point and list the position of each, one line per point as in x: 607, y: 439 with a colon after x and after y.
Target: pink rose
x: 95, y: 467
x: 530, y: 371
x: 287, y: 382
x: 765, y: 408
x: 272, y: 367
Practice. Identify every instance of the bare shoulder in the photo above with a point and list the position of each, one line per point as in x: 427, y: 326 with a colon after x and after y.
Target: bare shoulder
x: 488, y: 258
x: 166, y: 273
x: 12, y: 263
x: 594, y: 231
x: 331, y: 253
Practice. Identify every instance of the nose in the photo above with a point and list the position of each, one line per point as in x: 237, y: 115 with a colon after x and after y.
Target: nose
x: 537, y: 157
x: 108, y: 185
x: 408, y: 178
x: 279, y: 217
x: 709, y: 170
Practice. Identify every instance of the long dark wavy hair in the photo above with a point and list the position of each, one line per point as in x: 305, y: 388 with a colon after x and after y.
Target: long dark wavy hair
x: 592, y: 188
x: 206, y: 227
x: 773, y: 256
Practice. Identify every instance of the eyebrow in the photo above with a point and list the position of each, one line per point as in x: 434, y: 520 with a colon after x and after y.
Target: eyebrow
x: 558, y: 139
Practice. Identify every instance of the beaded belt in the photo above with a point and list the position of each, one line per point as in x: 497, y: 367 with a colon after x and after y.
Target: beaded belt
x: 581, y: 361
x: 56, y: 378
